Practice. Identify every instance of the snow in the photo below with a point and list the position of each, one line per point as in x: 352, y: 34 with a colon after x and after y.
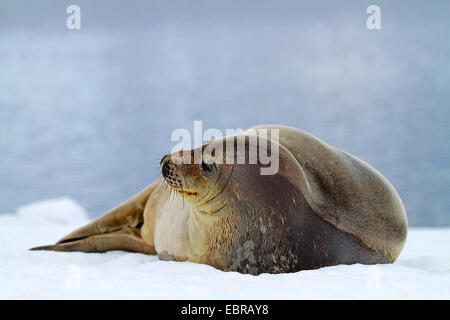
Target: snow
x: 421, y: 272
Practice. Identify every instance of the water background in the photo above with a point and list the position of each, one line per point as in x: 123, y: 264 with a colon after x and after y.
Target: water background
x: 88, y: 113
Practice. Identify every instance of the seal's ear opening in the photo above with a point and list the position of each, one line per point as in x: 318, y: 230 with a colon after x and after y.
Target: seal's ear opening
x: 208, y: 168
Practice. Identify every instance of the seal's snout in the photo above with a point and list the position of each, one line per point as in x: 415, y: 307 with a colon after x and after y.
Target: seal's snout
x: 169, y: 173
x: 173, y: 174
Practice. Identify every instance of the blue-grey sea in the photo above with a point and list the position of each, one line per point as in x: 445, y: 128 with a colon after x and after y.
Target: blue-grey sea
x: 88, y: 113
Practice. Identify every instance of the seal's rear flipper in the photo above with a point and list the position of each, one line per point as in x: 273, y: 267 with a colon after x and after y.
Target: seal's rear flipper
x: 119, y: 229
x: 128, y: 239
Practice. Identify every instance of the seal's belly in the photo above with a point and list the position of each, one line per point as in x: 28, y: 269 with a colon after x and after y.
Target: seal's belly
x: 171, y: 232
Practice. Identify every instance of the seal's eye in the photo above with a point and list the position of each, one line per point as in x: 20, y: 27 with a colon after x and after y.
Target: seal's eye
x: 208, y: 169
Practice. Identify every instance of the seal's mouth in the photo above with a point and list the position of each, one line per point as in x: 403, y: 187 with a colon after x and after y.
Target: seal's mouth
x: 188, y: 192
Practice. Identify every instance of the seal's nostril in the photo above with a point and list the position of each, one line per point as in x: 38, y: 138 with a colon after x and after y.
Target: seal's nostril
x: 166, y: 158
x: 166, y: 166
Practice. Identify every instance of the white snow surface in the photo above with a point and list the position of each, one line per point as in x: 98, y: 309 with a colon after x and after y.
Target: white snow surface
x: 421, y: 272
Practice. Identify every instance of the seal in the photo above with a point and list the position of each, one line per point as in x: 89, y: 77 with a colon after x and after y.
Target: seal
x: 323, y: 207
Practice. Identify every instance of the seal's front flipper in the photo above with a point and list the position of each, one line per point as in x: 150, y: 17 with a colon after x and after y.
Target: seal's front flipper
x: 119, y: 229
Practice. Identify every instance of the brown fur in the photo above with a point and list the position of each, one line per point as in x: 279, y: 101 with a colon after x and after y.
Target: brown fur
x: 324, y: 207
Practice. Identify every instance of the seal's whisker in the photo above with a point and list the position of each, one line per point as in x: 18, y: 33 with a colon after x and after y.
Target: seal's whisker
x: 182, y: 195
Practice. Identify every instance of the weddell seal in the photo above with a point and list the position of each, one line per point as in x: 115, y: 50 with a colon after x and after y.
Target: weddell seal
x: 322, y: 207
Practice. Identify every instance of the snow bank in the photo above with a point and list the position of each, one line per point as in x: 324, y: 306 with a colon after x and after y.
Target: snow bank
x: 421, y: 272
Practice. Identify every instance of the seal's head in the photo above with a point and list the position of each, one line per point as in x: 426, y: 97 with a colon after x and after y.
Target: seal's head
x: 198, y: 177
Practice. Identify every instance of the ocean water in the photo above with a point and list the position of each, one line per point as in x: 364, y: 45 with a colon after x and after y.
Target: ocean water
x: 89, y: 113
